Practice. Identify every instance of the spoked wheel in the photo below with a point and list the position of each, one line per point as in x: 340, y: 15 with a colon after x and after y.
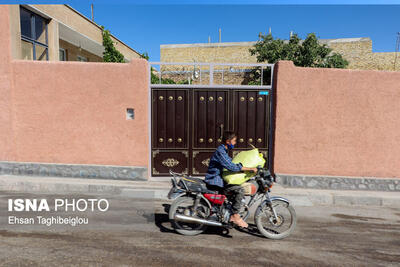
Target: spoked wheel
x: 185, y: 206
x: 273, y: 228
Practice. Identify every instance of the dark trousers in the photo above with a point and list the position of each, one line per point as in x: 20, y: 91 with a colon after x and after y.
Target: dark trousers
x: 235, y: 193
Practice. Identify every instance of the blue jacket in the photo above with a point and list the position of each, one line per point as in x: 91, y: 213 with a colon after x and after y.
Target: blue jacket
x: 220, y: 160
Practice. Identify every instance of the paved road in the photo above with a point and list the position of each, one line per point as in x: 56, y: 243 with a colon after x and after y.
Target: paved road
x: 136, y: 232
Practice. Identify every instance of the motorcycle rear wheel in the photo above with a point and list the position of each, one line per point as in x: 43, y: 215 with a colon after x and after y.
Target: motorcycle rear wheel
x: 271, y: 228
x: 184, y: 205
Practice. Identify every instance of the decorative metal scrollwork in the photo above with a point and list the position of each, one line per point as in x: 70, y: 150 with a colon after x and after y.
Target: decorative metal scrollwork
x: 155, y: 171
x: 206, y: 162
x: 170, y: 162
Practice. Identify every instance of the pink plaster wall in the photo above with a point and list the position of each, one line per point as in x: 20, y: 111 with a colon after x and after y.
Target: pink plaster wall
x: 76, y: 112
x: 5, y: 85
x: 72, y: 112
x: 337, y: 122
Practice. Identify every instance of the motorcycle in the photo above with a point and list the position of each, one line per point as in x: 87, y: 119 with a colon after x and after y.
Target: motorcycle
x: 195, y: 206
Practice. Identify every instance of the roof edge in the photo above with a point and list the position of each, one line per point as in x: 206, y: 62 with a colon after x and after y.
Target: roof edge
x: 98, y: 26
x: 222, y: 44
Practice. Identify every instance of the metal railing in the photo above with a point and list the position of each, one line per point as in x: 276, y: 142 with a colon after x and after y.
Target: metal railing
x: 223, y: 75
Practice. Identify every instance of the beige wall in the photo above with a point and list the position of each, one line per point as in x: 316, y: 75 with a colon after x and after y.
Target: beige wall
x: 83, y: 25
x: 63, y: 14
x: 360, y: 56
x: 337, y: 122
x: 73, y: 52
x: 358, y: 53
x: 212, y: 53
x: 71, y: 112
x: 15, y: 29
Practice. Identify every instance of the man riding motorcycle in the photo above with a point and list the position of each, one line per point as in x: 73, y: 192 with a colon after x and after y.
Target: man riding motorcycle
x: 220, y: 160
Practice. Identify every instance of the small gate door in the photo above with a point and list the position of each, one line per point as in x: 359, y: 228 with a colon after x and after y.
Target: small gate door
x: 187, y: 125
x: 210, y: 118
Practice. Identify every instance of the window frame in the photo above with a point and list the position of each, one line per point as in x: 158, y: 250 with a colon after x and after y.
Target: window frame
x: 33, y: 33
x: 79, y: 58
x: 65, y: 53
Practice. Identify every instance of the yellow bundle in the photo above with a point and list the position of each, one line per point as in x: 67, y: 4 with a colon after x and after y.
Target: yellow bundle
x: 251, y: 158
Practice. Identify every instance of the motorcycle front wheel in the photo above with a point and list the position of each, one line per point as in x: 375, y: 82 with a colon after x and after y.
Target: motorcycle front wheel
x: 273, y: 228
x: 185, y: 206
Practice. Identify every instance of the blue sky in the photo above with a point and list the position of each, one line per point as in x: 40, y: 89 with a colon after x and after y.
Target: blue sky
x: 145, y: 27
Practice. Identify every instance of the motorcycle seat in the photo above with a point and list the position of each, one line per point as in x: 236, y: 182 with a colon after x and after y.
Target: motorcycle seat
x: 197, y: 185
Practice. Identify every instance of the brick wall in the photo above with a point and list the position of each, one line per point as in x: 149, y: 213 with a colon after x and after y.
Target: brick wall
x: 358, y: 51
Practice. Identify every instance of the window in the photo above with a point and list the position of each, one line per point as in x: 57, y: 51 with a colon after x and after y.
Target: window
x: 81, y: 58
x: 33, y: 36
x: 63, y: 54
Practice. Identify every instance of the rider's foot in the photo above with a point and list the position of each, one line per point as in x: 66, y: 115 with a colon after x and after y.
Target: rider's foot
x: 236, y: 219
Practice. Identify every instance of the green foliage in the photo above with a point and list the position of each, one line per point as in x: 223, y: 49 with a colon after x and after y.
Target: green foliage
x: 145, y: 55
x: 156, y: 80
x: 110, y: 54
x: 309, y: 53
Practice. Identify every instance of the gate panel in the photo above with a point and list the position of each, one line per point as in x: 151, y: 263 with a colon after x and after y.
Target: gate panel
x: 201, y: 159
x: 163, y: 161
x: 170, y: 124
x: 251, y: 119
x: 210, y: 116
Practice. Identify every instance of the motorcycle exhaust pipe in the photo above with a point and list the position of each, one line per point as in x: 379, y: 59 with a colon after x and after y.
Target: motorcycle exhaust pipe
x: 188, y: 219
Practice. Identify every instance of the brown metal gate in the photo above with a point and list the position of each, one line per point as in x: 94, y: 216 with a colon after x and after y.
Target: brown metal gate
x: 187, y: 125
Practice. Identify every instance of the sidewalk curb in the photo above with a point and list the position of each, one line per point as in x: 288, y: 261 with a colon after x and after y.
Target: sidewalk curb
x: 159, y: 190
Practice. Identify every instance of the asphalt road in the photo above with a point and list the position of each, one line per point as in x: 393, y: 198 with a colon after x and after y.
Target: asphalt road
x: 136, y: 232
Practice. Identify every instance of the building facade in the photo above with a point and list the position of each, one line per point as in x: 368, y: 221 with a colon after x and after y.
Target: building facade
x: 358, y: 51
x: 58, y: 33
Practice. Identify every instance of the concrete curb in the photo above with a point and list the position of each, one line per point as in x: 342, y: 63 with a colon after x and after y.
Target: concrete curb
x: 340, y: 182
x: 34, y: 169
x: 159, y: 190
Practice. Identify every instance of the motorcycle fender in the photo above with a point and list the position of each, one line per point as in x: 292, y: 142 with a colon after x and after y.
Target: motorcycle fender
x: 175, y: 193
x: 281, y: 199
x: 272, y: 199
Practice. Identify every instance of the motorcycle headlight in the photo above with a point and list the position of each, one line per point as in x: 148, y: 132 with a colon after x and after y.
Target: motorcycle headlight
x: 268, y: 185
